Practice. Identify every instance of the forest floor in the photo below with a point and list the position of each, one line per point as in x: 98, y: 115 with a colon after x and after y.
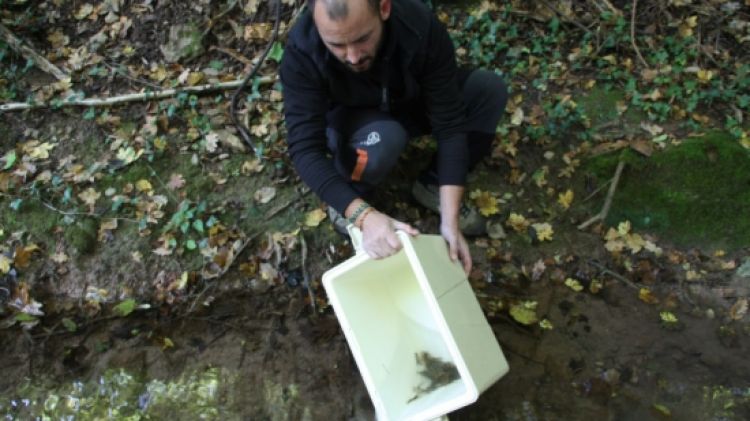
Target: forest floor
x: 152, y: 265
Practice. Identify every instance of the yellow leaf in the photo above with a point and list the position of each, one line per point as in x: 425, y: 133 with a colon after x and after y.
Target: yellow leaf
x: 314, y: 217
x: 623, y: 228
x: 40, y: 151
x: 705, y: 76
x: 573, y: 284
x: 595, y: 286
x: 647, y: 297
x: 143, y: 185
x: 4, y: 264
x: 160, y: 144
x: 517, y: 117
x: 524, y: 312
x: 89, y: 196
x: 565, y: 199
x: 159, y: 74
x: 635, y: 242
x: 486, y: 203
x: 517, y: 222
x: 685, y: 30
x: 615, y: 246
x: 543, y: 231
x: 663, y: 410
x: 668, y: 317
x: 167, y: 343
x: 546, y: 324
x: 194, y: 78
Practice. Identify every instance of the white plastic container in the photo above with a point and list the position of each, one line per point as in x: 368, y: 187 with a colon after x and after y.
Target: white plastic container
x: 416, y: 301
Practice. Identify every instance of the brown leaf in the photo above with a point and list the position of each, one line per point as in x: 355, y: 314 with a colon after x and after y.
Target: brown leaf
x: 644, y: 147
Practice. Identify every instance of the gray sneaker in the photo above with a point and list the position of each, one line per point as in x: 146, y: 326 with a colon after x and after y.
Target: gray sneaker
x: 338, y: 221
x: 471, y: 222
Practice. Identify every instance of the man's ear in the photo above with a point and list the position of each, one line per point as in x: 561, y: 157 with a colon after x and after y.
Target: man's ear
x: 385, y: 9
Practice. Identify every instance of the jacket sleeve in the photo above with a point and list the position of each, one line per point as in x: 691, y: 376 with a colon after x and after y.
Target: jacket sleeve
x: 305, y: 107
x: 445, y: 106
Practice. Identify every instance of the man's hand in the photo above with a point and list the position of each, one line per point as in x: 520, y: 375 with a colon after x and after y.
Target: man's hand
x: 458, y: 248
x: 450, y: 205
x: 379, y: 234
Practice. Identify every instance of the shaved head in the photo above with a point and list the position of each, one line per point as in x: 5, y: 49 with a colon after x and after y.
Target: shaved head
x: 339, y: 9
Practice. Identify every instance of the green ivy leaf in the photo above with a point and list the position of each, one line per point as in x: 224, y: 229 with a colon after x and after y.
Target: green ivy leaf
x: 10, y: 159
x: 23, y: 317
x: 198, y: 225
x: 69, y: 324
x: 190, y: 245
x: 126, y: 307
x: 276, y: 52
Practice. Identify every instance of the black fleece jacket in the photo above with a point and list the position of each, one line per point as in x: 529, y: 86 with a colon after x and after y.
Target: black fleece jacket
x: 414, y: 71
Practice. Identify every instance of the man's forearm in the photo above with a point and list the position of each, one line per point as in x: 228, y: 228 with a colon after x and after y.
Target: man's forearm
x: 450, y: 204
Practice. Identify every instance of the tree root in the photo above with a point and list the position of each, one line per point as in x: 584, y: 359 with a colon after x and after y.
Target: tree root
x: 602, y: 215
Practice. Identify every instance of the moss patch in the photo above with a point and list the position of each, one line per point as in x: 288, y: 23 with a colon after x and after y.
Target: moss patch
x: 694, y: 194
x: 31, y: 217
x: 600, y: 105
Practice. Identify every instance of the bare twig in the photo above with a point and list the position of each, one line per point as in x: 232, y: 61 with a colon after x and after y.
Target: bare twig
x: 234, y: 54
x: 632, y: 34
x: 608, y: 202
x: 565, y: 18
x: 212, y: 21
x: 306, y: 275
x: 19, y: 46
x: 613, y: 274
x: 612, y: 7
x: 597, y: 190
x: 133, y: 97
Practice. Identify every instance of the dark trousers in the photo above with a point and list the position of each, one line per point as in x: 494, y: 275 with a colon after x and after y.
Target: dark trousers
x: 366, y: 143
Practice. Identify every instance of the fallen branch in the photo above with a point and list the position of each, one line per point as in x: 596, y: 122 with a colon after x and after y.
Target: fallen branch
x: 602, y: 215
x: 133, y: 97
x: 20, y: 47
x: 632, y: 34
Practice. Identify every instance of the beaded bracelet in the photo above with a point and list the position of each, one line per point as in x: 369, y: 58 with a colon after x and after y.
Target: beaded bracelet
x: 361, y: 220
x: 357, y: 212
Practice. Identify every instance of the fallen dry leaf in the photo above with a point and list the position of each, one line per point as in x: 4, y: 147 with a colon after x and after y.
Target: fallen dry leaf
x: 176, y: 181
x: 573, y: 284
x: 645, y: 295
x: 314, y: 217
x: 518, y: 222
x: 264, y: 194
x: 486, y: 203
x: 565, y: 199
x: 89, y: 197
x: 544, y: 231
x: 739, y: 309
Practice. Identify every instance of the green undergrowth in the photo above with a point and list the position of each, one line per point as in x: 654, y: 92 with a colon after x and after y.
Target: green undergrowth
x: 600, y: 106
x: 694, y: 194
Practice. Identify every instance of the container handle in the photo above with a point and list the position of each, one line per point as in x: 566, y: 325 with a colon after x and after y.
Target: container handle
x: 355, y: 235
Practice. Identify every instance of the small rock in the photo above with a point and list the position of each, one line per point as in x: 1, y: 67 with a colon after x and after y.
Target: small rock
x: 185, y: 43
x: 496, y: 231
x: 744, y: 270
